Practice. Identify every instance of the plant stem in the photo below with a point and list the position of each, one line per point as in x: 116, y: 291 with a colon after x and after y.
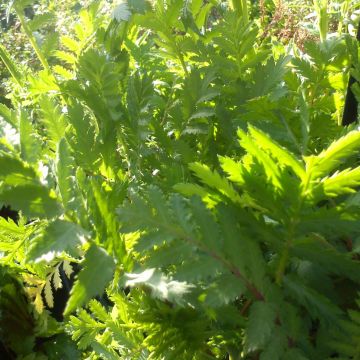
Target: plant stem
x: 282, y: 264
x: 5, y: 57
x: 241, y: 8
x: 343, y: 14
x: 245, y: 13
x: 323, y: 20
x: 31, y: 38
x: 284, y: 257
x: 181, y: 58
x: 289, y: 131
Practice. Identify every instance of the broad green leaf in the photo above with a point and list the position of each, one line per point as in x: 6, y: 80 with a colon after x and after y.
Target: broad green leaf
x: 191, y: 189
x: 57, y: 237
x: 317, y: 305
x: 66, y: 57
x: 9, y: 116
x: 317, y: 250
x: 11, y: 66
x: 180, y: 214
x: 107, y: 218
x: 49, y: 296
x: 83, y: 328
x: 50, y: 44
x: 198, y: 268
x: 215, y: 181
x: 8, y: 228
x: 139, y: 6
x: 158, y: 203
x: 233, y: 169
x: 271, y: 169
x: 202, y: 15
x: 42, y: 83
x: 129, y: 214
x: 238, y: 240
x: 53, y: 119
x: 29, y: 142
x: 65, y: 174
x: 70, y: 43
x: 343, y: 182
x: 82, y: 138
x: 133, y: 103
x: 104, y: 351
x: 188, y: 19
x: 97, y: 271
x: 224, y: 290
x: 63, y: 72
x: 13, y: 171
x: 267, y: 77
x: 209, y: 230
x: 260, y: 327
x: 33, y: 200
x: 41, y: 20
x: 330, y: 222
x: 283, y: 156
x: 330, y: 158
x: 275, y: 348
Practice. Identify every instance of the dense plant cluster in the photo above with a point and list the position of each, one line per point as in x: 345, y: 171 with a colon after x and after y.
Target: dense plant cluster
x: 187, y: 161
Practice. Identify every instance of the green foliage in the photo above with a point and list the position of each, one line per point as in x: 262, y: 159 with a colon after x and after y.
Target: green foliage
x: 52, y: 240
x: 195, y: 168
x: 98, y: 268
